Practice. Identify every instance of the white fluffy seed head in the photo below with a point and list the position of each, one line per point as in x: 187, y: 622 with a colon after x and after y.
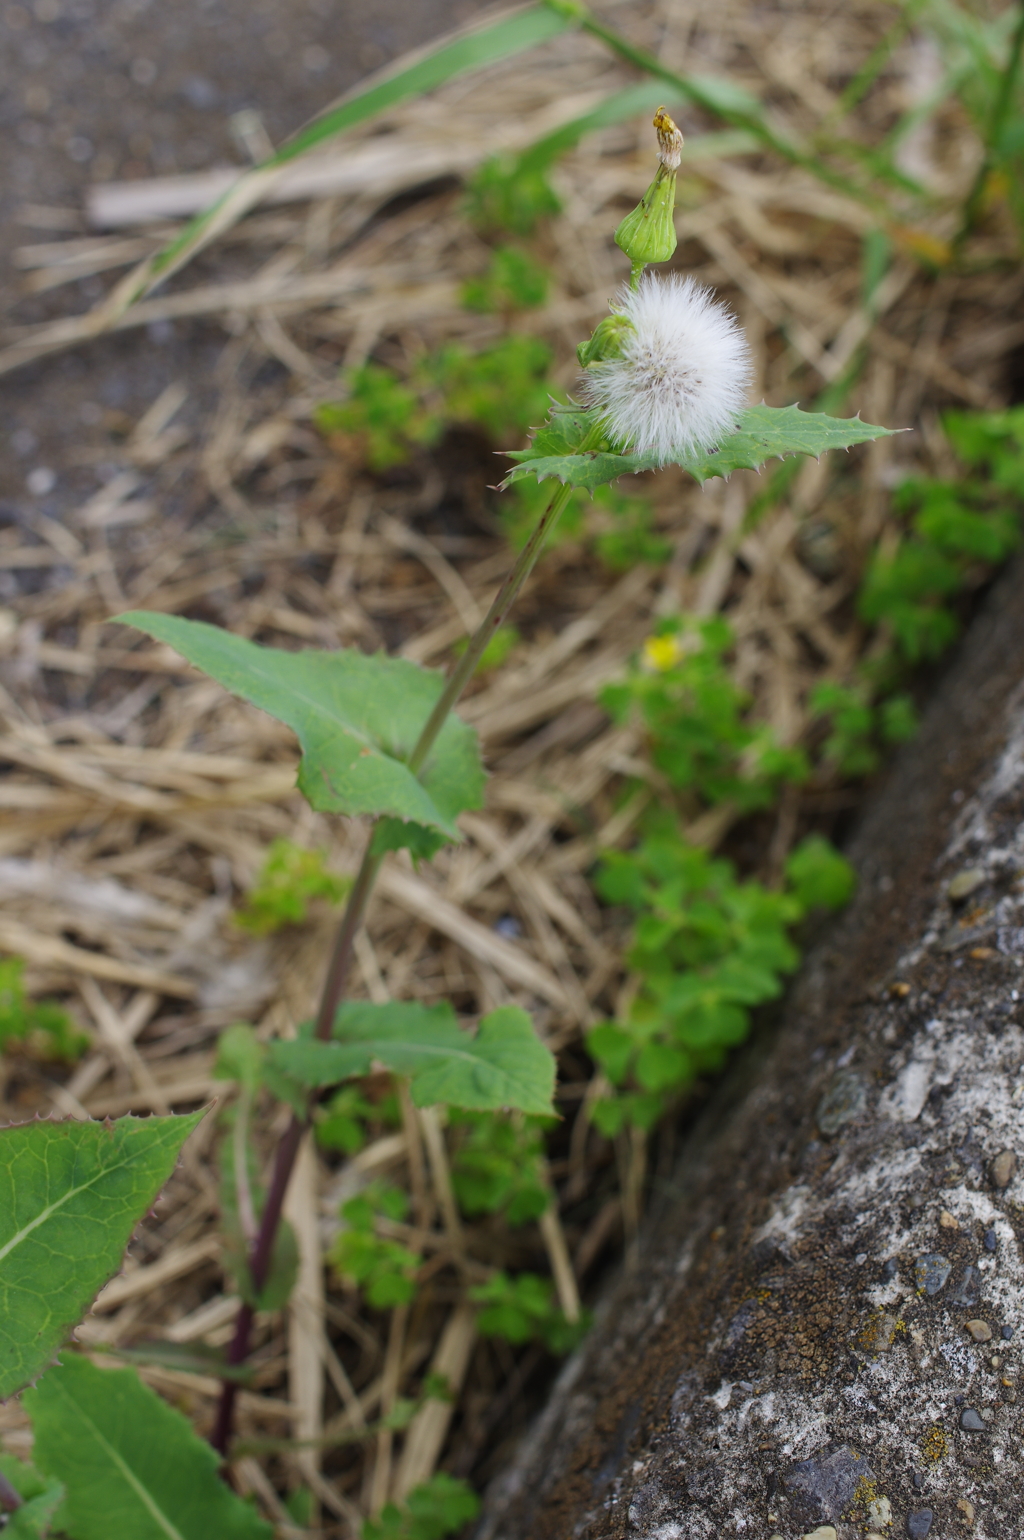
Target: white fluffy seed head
x: 684, y: 373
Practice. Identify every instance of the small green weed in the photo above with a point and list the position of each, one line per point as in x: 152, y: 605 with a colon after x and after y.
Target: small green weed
x: 513, y: 281
x: 707, y: 948
x: 620, y: 528
x: 40, y: 1026
x: 342, y: 1123
x: 624, y: 533
x: 697, y: 718
x: 499, y: 1166
x: 859, y: 729
x: 500, y: 389
x: 522, y: 1309
x: 383, y: 1269
x: 441, y: 1506
x: 510, y: 193
x: 386, y: 416
x: 954, y: 527
x: 289, y: 880
x: 955, y: 533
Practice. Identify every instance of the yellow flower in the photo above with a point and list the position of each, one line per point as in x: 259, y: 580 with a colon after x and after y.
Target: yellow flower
x: 663, y: 652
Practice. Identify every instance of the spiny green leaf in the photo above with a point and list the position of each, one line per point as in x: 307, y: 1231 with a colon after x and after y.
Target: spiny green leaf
x: 131, y: 1464
x: 356, y: 717
x: 504, y: 1065
x: 70, y: 1196
x: 764, y: 433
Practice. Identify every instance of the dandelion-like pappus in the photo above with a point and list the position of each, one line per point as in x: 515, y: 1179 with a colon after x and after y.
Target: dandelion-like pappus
x: 681, y: 372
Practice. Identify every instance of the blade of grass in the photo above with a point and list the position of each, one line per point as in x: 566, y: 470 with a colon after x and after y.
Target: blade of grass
x: 1000, y: 112
x: 873, y: 65
x: 510, y: 34
x: 643, y: 97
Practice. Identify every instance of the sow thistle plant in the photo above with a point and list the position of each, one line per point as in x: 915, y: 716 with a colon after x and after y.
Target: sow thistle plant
x: 665, y: 381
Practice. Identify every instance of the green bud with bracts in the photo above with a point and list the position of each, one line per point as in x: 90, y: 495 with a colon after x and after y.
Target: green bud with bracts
x: 648, y: 234
x: 606, y: 342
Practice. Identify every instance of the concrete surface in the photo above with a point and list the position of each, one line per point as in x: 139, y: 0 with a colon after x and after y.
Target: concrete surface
x: 105, y: 89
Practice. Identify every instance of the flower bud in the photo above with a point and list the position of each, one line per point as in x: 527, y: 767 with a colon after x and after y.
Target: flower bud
x: 648, y: 234
x: 609, y: 336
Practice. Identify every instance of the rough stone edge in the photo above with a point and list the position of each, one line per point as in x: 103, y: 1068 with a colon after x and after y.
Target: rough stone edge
x: 846, y: 1365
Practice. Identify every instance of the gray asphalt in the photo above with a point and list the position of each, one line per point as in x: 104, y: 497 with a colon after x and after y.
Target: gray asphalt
x: 96, y: 90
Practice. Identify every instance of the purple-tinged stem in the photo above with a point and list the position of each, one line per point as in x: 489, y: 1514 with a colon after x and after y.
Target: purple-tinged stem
x: 341, y: 957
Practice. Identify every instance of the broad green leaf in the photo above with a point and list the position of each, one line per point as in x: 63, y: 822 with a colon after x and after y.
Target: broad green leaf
x: 132, y: 1466
x: 504, y: 1065
x: 356, y: 717
x: 526, y: 28
x: 764, y: 433
x: 70, y: 1196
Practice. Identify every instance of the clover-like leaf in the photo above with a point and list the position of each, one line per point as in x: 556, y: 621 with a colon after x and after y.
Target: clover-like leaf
x: 70, y: 1196
x: 33, y: 1520
x: 764, y: 433
x: 40, y: 1500
x: 356, y: 717
x: 504, y: 1065
x: 131, y: 1465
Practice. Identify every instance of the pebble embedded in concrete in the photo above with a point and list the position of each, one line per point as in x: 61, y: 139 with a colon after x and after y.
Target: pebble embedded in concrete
x: 966, y: 1508
x: 965, y: 883
x: 845, y: 1098
x: 880, y: 1512
x: 970, y: 1421
x: 948, y: 1221
x: 991, y: 1240
x: 981, y: 1331
x: 826, y: 1532
x: 967, y: 1290
x: 931, y: 1272
x: 919, y: 1523
x: 1002, y: 1168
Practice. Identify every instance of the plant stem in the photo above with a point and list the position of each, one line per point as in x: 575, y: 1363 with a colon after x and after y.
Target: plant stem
x: 341, y: 957
x: 1002, y: 106
x: 503, y: 601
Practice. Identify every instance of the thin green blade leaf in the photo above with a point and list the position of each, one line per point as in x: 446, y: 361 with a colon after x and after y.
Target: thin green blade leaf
x: 526, y: 28
x: 616, y: 108
x: 356, y: 717
x: 132, y: 1466
x: 70, y: 1196
x: 504, y: 1065
x: 510, y: 35
x: 764, y: 433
